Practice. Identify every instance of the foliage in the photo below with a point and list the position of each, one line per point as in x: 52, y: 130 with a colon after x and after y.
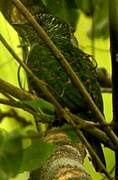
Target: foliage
x: 15, y: 159
x: 99, y: 31
x: 10, y: 151
x: 97, y: 10
x: 40, y: 151
x: 46, y: 109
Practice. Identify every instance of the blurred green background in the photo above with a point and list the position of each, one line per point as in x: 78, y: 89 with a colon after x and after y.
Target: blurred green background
x: 8, y: 72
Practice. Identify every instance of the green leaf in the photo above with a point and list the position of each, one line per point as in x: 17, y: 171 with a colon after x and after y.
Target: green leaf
x: 3, y: 136
x: 70, y: 132
x: 3, y: 175
x: 46, y: 109
x: 36, y: 155
x: 86, y: 6
x: 10, y: 152
x: 65, y: 9
x: 41, y: 105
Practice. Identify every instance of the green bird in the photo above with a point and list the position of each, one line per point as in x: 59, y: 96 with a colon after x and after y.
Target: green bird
x: 45, y: 66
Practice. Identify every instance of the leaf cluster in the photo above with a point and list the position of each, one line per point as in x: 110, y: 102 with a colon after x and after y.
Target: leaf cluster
x: 15, y: 159
x: 45, y: 110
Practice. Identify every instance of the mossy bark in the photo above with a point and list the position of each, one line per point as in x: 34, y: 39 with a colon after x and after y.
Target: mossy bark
x: 66, y: 162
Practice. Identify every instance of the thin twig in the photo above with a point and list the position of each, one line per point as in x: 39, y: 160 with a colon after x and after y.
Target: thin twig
x: 8, y: 96
x: 82, y: 137
x: 15, y: 91
x: 17, y: 104
x: 41, y: 84
x: 113, y: 31
x: 44, y: 118
x: 75, y: 79
x: 83, y: 124
x: 24, y: 95
x: 59, y: 108
x: 94, y: 129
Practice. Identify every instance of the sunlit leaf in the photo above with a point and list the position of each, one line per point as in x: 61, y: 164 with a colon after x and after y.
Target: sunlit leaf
x: 46, y: 109
x: 36, y: 155
x: 10, y: 152
x: 41, y: 105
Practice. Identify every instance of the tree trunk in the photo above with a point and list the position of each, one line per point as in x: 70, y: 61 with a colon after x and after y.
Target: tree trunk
x: 66, y: 162
x: 113, y: 21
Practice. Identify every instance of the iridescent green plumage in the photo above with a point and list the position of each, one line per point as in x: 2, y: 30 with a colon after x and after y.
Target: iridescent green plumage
x: 44, y: 64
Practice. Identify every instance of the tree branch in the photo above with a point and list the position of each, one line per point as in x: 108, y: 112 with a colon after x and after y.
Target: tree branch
x: 113, y: 16
x: 94, y: 129
x: 44, y: 88
x: 6, y: 87
x: 24, y: 96
x: 91, y: 151
x: 67, y: 160
x: 62, y: 111
x: 17, y: 104
x: 75, y: 79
